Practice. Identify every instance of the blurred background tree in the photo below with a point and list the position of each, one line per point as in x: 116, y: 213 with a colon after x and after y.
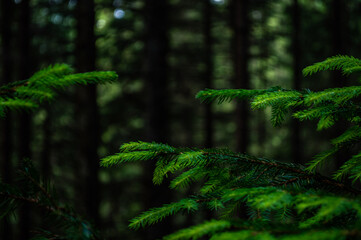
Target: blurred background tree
x: 164, y: 52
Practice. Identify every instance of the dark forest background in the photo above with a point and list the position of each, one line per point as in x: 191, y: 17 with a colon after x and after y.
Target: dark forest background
x: 164, y: 52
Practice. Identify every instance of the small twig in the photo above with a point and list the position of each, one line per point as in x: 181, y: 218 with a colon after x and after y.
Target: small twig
x: 13, y: 89
x: 43, y: 190
x: 30, y: 200
x: 259, y: 175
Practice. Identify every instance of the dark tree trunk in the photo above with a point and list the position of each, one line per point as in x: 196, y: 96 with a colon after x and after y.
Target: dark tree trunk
x: 261, y: 116
x: 24, y: 68
x: 87, y: 115
x: 208, y: 75
x: 24, y: 73
x: 296, y: 147
x: 240, y: 48
x: 6, y: 146
x: 46, y: 146
x: 338, y: 30
x: 156, y: 77
x: 157, y: 70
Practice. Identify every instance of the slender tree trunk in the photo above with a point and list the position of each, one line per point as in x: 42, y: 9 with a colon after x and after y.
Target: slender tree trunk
x: 208, y: 41
x: 296, y: 147
x: 337, y: 31
x: 87, y: 115
x: 157, y: 70
x: 156, y: 77
x: 261, y: 116
x: 240, y: 48
x: 46, y: 146
x: 25, y: 68
x: 338, y: 47
x: 6, y: 146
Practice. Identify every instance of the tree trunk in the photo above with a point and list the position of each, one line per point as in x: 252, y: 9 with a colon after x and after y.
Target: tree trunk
x: 296, y: 147
x: 46, y: 146
x: 157, y: 119
x: 337, y: 30
x: 208, y: 75
x: 240, y: 48
x: 25, y: 66
x: 87, y: 115
x: 6, y: 146
x: 338, y: 80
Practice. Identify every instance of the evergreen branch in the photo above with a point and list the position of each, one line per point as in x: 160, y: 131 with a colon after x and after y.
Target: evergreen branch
x: 350, y: 136
x: 286, y: 99
x: 35, y: 191
x: 227, y: 95
x: 155, y: 215
x: 350, y: 167
x: 284, y: 200
x: 50, y: 73
x: 17, y: 104
x: 327, y: 208
x: 345, y: 63
x: 144, y: 146
x: 325, y: 122
x: 27, y: 94
x: 337, y: 95
x: 244, y: 234
x: 11, y: 87
x: 127, y: 157
x: 314, y: 234
x: 187, y: 177
x: 85, y: 79
x: 34, y: 93
x: 276, y: 198
x: 178, y: 159
x: 31, y: 200
x: 43, y: 190
x: 195, y: 232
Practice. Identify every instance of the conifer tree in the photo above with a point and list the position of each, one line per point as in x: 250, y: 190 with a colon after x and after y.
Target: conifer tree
x: 283, y: 200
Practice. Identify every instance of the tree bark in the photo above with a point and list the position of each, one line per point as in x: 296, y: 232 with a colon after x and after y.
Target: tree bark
x: 296, y: 147
x: 157, y: 119
x: 46, y: 146
x: 87, y: 114
x: 240, y: 48
x: 24, y: 134
x: 6, y: 128
x: 208, y: 75
x: 338, y: 31
x: 25, y: 67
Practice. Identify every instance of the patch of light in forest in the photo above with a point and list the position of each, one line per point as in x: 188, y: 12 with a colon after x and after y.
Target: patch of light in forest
x: 101, y: 23
x: 17, y: 1
x: 56, y: 18
x: 117, y: 3
x: 119, y: 13
x: 55, y: 1
x: 72, y: 4
x: 217, y: 1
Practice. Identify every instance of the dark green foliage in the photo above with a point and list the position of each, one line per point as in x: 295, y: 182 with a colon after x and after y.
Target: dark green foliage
x: 283, y: 200
x: 30, y: 188
x: 28, y: 94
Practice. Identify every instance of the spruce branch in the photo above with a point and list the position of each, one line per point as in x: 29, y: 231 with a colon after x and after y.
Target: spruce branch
x: 341, y: 62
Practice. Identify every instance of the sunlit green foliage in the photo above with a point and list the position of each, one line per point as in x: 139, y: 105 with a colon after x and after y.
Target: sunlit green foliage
x: 43, y: 85
x: 283, y: 200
